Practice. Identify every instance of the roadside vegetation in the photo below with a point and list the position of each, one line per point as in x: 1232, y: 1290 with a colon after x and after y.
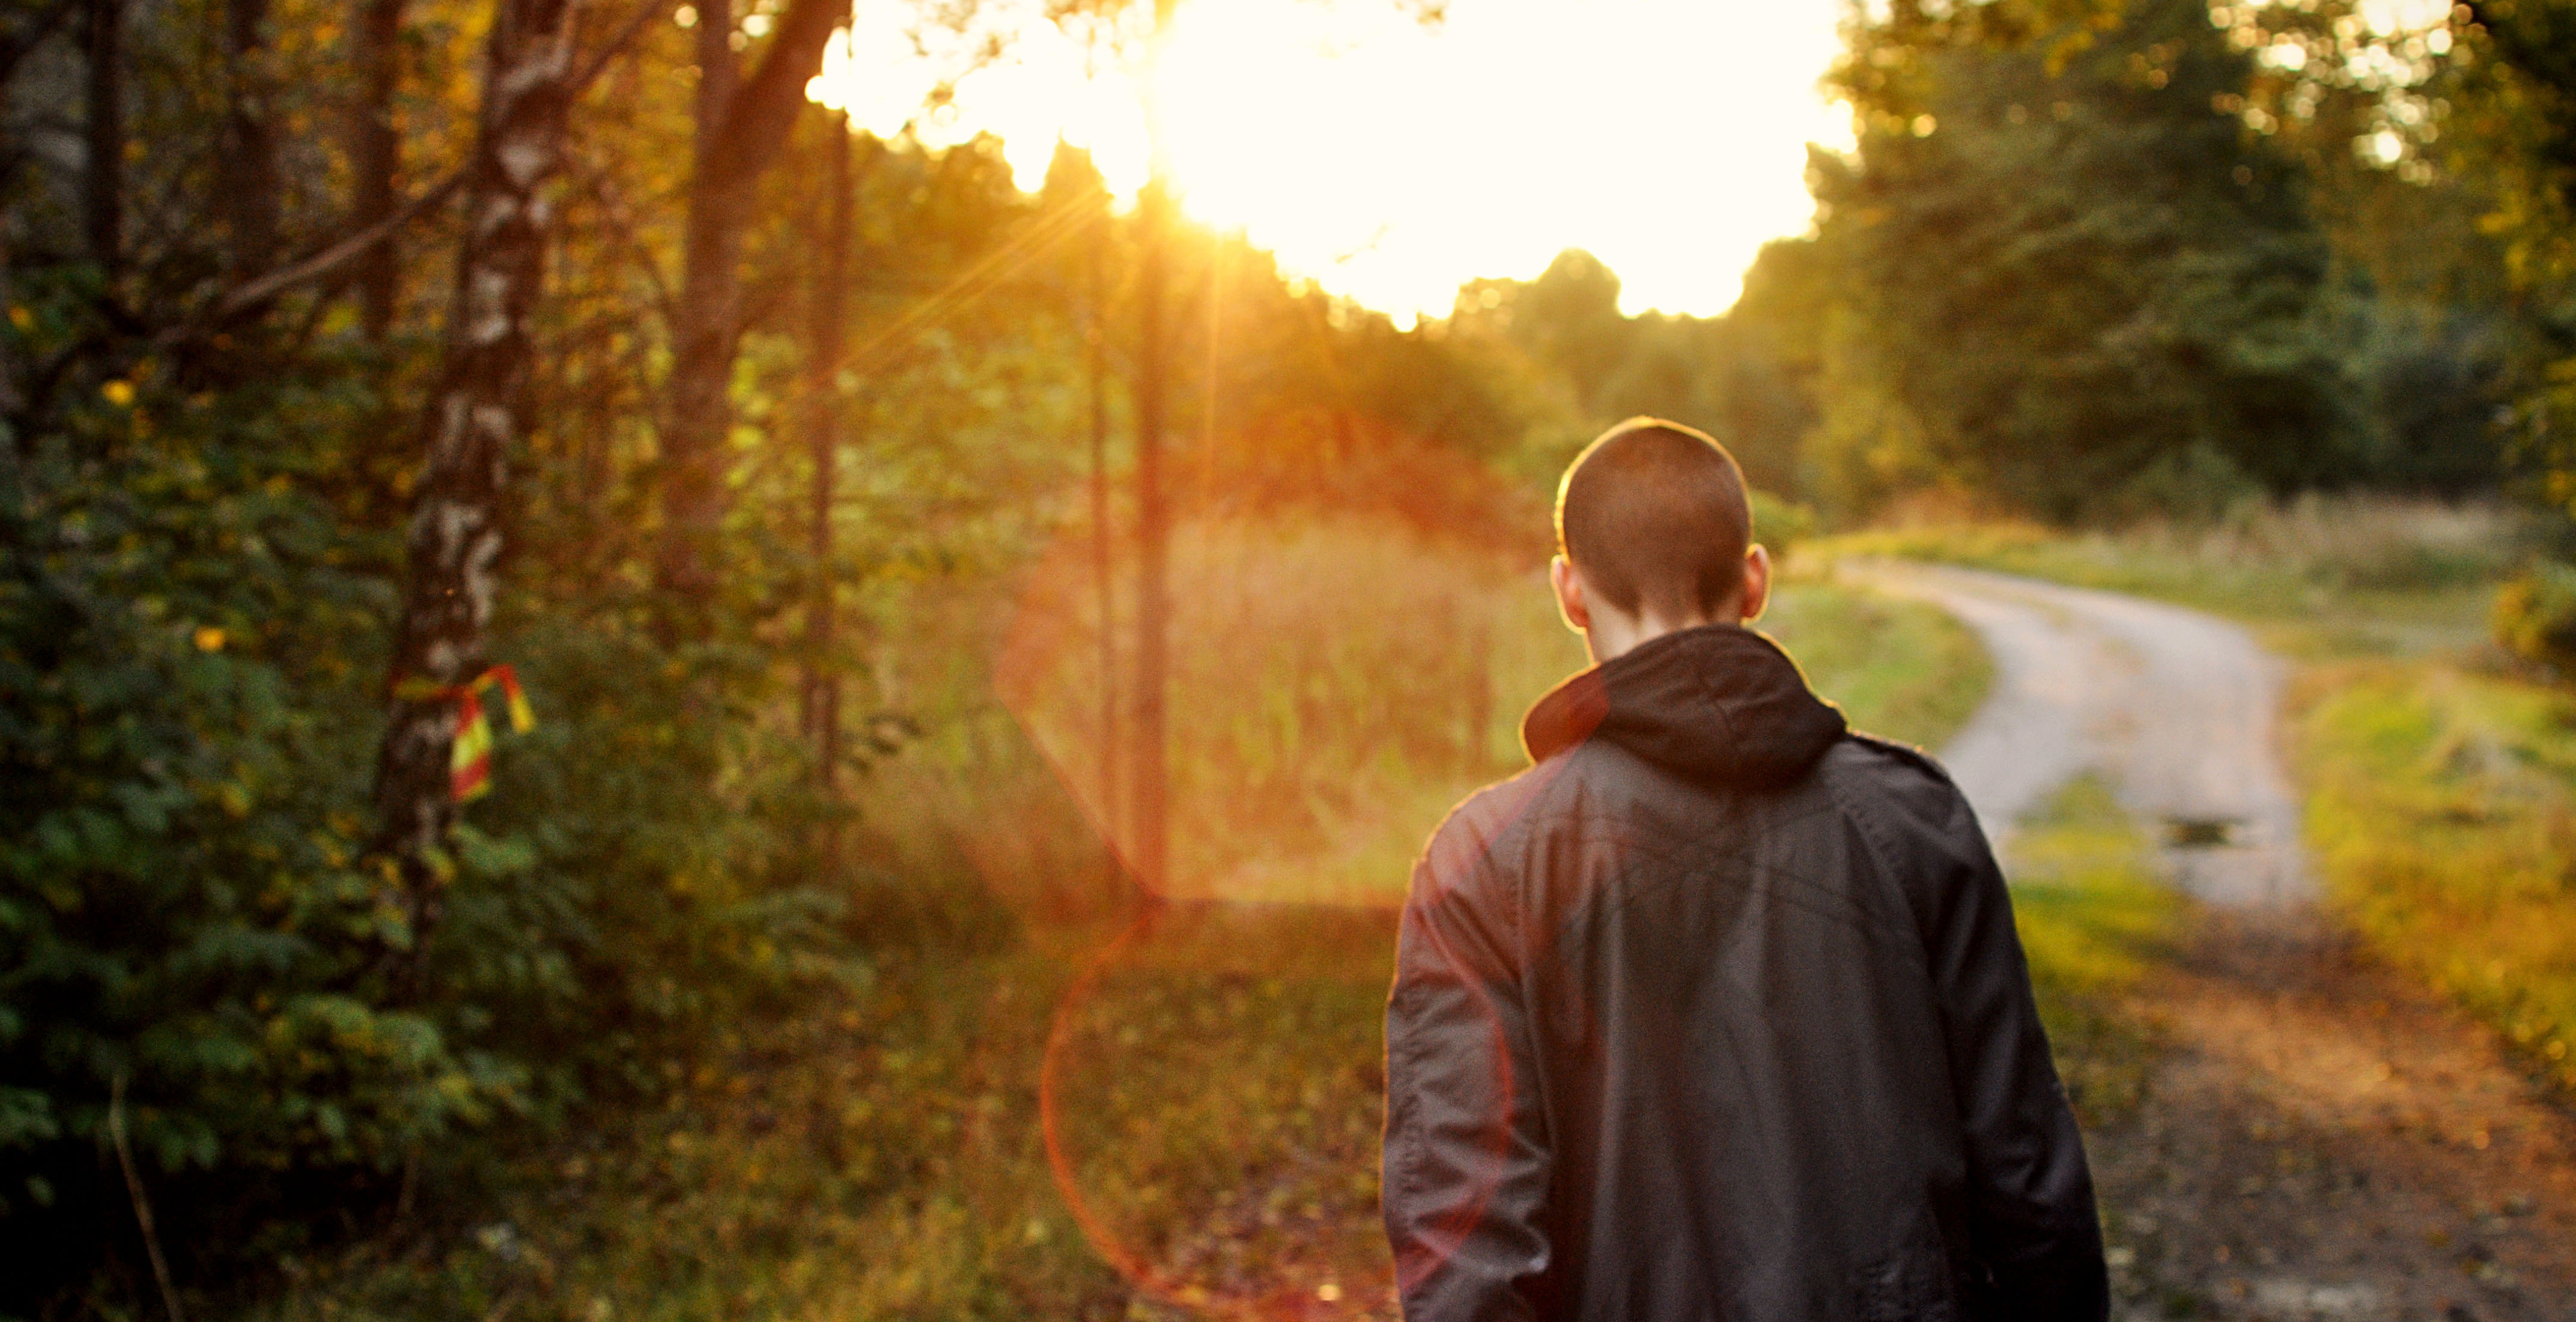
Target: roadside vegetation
x: 2442, y: 809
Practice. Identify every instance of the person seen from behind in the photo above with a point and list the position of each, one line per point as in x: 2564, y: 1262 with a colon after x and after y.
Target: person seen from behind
x: 1717, y: 1011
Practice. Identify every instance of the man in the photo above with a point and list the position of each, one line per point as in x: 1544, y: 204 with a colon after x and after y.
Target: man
x: 1717, y: 1012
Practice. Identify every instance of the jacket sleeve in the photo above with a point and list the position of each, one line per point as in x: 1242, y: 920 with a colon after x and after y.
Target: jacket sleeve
x: 1466, y: 1150
x: 2032, y: 1221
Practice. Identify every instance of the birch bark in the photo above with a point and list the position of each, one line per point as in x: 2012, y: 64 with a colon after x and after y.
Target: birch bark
x: 474, y: 417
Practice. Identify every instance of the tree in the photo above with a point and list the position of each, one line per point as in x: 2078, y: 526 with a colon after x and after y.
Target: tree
x: 2520, y: 98
x: 375, y: 156
x: 742, y: 124
x: 474, y: 418
x: 2084, y: 281
x: 248, y: 174
x: 103, y: 133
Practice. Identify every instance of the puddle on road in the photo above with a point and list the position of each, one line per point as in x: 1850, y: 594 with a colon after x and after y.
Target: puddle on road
x: 2200, y: 832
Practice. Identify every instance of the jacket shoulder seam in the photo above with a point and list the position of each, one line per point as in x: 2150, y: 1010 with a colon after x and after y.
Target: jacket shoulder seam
x: 1865, y: 819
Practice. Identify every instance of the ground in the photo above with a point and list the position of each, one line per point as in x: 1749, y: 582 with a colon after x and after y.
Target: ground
x: 2321, y: 1138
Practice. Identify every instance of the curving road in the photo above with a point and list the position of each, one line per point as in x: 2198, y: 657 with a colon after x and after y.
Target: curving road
x: 2173, y: 707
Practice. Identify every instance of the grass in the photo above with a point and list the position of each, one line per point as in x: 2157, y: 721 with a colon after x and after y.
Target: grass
x: 1338, y: 684
x: 1900, y: 669
x: 2094, y: 917
x: 1217, y: 1074
x: 2442, y: 809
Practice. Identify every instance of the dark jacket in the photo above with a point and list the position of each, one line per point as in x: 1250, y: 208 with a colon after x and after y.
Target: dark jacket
x: 1717, y: 1012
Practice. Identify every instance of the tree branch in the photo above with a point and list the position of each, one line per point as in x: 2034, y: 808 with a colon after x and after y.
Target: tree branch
x: 616, y: 46
x: 260, y: 289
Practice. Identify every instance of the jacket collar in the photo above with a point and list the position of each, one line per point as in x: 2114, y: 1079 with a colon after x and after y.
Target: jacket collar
x: 1717, y: 703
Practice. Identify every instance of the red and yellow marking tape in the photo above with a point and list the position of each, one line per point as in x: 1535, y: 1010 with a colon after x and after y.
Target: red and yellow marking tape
x: 469, y: 765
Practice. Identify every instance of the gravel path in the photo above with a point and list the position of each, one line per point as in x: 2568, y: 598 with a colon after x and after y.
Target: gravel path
x: 2320, y: 1139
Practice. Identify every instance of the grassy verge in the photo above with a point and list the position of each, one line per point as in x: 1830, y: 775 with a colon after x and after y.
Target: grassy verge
x: 1217, y: 1099
x: 1900, y: 669
x: 2442, y: 808
x: 2093, y: 917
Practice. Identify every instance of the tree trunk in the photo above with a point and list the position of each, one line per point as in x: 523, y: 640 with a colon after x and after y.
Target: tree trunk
x: 247, y: 173
x: 1150, y: 845
x: 103, y: 134
x: 1153, y: 538
x: 703, y: 341
x: 742, y: 124
x: 822, y: 435
x: 375, y: 155
x: 475, y: 415
x: 1104, y: 542
x: 9, y: 397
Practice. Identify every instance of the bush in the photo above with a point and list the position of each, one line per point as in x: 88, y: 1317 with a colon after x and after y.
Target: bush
x: 2535, y: 615
x: 186, y: 634
x: 191, y: 654
x: 1780, y: 524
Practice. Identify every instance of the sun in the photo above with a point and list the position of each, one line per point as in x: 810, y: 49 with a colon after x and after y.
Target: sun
x: 1391, y: 161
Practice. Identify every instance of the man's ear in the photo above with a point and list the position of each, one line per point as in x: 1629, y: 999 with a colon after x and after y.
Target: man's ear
x: 1757, y: 582
x: 1569, y: 595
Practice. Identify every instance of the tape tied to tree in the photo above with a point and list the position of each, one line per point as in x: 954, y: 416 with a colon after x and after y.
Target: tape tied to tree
x: 469, y: 764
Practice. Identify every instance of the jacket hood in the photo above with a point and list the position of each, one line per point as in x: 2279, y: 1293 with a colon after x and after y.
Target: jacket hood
x: 1715, y: 703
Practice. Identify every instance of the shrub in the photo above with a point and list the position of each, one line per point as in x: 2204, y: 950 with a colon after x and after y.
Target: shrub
x: 191, y: 630
x: 1780, y: 524
x: 2535, y: 614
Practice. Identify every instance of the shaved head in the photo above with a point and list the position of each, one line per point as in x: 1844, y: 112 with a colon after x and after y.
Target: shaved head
x: 1653, y: 516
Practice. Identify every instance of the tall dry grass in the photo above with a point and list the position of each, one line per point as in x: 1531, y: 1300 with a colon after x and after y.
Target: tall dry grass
x: 2323, y: 576
x: 1334, y: 684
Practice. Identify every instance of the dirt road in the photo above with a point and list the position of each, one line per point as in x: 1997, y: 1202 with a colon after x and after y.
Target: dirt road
x: 2320, y: 1138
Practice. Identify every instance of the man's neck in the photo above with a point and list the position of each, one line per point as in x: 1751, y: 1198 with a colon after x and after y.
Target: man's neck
x: 1613, y: 635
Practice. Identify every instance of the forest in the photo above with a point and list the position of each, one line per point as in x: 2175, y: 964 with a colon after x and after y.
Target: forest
x: 867, y: 595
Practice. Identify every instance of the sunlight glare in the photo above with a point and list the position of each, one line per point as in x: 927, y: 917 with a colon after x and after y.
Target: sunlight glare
x: 1391, y: 162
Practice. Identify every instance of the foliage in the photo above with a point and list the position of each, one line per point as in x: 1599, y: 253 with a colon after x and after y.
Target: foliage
x: 184, y: 629
x: 1593, y: 366
x: 2535, y: 615
x: 2074, y: 281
